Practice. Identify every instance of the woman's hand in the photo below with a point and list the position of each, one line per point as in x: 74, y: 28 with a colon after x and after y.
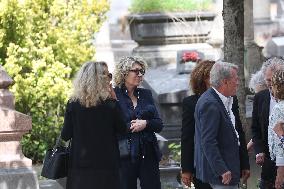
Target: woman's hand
x: 278, y: 129
x: 112, y: 93
x: 137, y: 125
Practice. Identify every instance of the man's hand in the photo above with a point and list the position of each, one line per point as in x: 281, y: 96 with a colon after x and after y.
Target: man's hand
x: 259, y: 158
x: 279, y: 129
x: 245, y: 175
x: 187, y: 178
x: 226, y: 177
x: 279, y: 178
x: 250, y: 145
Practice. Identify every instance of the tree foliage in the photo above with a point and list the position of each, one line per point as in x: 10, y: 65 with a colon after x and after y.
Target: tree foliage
x: 42, y: 44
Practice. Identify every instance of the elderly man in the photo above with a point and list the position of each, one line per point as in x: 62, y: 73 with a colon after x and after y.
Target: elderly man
x: 262, y: 106
x: 218, y: 156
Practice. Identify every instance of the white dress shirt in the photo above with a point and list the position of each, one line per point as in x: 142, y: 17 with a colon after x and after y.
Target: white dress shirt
x: 228, y: 103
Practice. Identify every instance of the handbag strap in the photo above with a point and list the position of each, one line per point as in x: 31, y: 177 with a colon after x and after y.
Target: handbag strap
x: 58, y: 142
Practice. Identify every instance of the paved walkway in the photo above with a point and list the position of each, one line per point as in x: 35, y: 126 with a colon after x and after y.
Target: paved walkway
x: 52, y: 184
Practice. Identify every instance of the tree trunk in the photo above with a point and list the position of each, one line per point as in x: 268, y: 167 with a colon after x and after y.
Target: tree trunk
x: 233, y: 15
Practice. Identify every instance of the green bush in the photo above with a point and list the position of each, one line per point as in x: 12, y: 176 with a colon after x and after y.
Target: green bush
x: 42, y: 45
x: 144, y: 6
x: 175, y: 151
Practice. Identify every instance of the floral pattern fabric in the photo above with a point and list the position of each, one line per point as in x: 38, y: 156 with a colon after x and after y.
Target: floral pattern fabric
x: 276, y: 147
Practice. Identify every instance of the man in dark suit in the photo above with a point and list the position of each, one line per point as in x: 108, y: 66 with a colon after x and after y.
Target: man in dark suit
x: 262, y: 106
x: 219, y: 158
x: 199, y: 84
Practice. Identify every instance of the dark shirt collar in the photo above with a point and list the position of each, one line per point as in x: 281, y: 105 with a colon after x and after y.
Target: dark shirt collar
x: 125, y: 92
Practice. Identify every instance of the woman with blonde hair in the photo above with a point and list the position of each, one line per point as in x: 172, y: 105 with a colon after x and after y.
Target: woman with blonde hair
x: 92, y: 121
x: 143, y: 121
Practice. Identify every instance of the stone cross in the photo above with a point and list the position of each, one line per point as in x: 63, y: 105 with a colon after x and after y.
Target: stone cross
x: 15, y: 169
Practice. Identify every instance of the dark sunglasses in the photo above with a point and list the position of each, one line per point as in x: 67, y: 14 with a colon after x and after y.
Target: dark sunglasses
x: 138, y: 71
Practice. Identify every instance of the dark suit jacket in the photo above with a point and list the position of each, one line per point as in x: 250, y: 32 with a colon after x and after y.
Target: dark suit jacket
x: 188, y: 130
x: 216, y: 144
x: 260, y: 122
x: 94, y: 158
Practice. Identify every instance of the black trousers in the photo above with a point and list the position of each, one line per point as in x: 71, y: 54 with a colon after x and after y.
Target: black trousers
x: 268, y: 174
x: 145, y: 169
x: 198, y: 184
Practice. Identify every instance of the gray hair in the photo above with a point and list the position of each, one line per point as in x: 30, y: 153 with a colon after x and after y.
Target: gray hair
x: 257, y: 80
x: 273, y: 63
x: 220, y: 71
x: 91, y: 84
x: 124, y: 65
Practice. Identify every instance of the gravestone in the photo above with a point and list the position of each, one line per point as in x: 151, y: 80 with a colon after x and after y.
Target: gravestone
x: 168, y: 89
x: 15, y: 169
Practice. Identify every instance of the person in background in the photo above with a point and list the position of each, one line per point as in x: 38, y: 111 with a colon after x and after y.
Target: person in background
x: 220, y: 152
x: 142, y: 118
x: 276, y: 143
x: 263, y: 103
x: 199, y: 81
x: 256, y: 84
x: 92, y: 121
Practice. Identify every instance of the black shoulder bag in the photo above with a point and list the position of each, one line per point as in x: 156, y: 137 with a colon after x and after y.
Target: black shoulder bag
x: 55, y: 164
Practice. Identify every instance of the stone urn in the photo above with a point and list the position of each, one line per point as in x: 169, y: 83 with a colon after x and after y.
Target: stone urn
x: 170, y: 28
x: 161, y: 35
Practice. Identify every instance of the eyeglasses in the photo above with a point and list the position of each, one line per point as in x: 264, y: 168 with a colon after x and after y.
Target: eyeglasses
x: 138, y: 71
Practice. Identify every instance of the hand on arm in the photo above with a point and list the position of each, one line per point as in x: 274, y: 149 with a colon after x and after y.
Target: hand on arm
x: 138, y: 125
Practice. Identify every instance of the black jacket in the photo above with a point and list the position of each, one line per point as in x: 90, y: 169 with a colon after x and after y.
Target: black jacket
x: 94, y: 157
x: 260, y: 122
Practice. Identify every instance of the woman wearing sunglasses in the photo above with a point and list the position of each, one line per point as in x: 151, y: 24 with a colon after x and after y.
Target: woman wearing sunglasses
x: 143, y: 121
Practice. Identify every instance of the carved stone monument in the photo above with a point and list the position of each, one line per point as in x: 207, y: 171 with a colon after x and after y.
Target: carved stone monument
x: 15, y: 169
x: 160, y: 35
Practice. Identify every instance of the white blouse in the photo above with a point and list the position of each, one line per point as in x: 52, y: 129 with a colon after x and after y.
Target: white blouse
x: 276, y: 147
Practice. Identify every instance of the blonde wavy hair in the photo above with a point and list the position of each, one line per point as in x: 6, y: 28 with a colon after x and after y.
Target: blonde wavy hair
x: 122, y: 68
x: 277, y: 81
x: 91, y: 84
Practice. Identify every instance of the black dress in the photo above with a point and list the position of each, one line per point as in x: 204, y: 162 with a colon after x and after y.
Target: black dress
x: 94, y: 157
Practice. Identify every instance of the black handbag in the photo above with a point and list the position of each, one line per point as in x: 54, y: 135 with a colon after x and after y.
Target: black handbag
x: 55, y: 164
x: 124, y: 147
